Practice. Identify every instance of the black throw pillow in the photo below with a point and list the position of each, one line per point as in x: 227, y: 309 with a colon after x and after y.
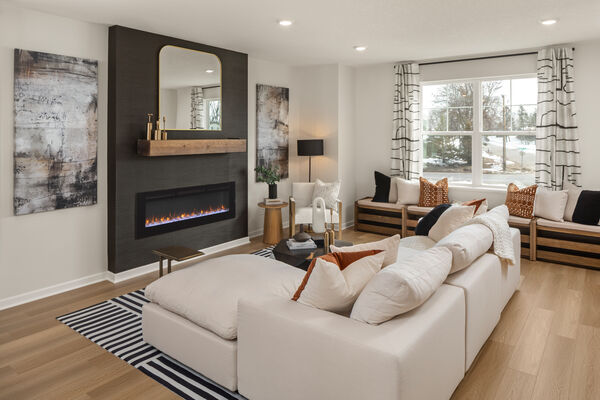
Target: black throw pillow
x: 382, y: 188
x: 429, y: 220
x: 587, y: 210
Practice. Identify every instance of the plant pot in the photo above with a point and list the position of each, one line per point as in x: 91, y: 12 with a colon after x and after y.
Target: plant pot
x: 273, y: 191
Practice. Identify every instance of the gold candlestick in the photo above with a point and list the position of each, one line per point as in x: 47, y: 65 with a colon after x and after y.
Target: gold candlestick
x: 149, y: 128
x: 157, y: 134
x: 164, y: 131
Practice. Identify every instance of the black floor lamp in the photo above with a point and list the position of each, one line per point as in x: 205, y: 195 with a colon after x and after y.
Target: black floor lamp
x: 310, y: 148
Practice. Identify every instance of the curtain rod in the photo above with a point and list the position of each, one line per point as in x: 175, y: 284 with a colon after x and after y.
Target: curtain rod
x: 481, y: 58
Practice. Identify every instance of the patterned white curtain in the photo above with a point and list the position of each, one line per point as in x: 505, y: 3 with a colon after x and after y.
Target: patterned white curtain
x: 406, y: 137
x: 557, y: 141
x: 197, y: 113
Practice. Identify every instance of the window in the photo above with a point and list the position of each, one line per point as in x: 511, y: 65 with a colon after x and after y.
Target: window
x: 213, y: 113
x: 480, y: 131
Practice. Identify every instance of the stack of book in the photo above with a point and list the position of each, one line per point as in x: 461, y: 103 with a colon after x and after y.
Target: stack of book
x: 272, y: 201
x: 307, y: 245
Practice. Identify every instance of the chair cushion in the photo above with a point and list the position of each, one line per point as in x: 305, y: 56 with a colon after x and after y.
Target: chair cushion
x: 302, y: 192
x: 328, y: 191
x: 388, y: 245
x: 207, y: 293
x: 467, y: 243
x: 402, y: 286
x: 334, y: 281
x: 304, y: 216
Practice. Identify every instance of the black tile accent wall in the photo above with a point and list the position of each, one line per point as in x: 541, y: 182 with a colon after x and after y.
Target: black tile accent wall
x: 133, y: 93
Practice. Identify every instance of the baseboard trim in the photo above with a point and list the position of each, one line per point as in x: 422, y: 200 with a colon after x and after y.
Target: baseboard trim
x: 103, y: 276
x: 51, y: 290
x: 146, y: 269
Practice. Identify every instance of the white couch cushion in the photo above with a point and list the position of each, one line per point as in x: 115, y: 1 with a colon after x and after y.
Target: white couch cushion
x: 417, y: 242
x: 302, y: 192
x: 331, y: 285
x: 550, y: 204
x: 388, y: 245
x: 451, y: 219
x: 408, y: 191
x: 467, y: 243
x: 207, y: 293
x: 402, y: 286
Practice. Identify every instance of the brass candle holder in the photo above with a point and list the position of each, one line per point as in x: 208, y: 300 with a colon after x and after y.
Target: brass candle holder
x: 149, y: 127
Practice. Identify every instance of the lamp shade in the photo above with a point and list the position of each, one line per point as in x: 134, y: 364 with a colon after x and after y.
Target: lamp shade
x: 310, y: 147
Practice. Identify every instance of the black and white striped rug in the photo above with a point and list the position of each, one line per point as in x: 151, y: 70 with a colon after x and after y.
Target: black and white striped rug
x: 116, y: 326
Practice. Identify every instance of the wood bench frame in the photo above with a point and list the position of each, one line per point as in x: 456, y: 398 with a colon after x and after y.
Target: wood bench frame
x: 537, y: 242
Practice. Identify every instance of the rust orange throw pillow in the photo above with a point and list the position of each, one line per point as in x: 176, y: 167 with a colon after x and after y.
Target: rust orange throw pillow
x: 476, y: 203
x: 334, y: 281
x: 520, y: 201
x: 433, y: 195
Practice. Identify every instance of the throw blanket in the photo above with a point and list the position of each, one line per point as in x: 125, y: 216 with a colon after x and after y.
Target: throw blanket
x: 497, y: 221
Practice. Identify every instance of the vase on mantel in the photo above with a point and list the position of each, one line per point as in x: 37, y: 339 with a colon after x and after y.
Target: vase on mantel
x: 273, y: 191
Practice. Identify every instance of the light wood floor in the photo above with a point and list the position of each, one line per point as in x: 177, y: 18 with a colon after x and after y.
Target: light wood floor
x: 546, y: 346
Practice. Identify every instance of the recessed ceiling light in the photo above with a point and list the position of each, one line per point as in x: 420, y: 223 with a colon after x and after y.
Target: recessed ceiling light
x: 285, y: 22
x: 210, y: 71
x: 550, y: 21
x: 360, y: 48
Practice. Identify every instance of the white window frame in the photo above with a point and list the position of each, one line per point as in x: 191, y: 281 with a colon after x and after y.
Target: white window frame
x: 478, y: 132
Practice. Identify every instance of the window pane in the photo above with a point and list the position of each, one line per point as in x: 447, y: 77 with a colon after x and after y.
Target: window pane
x: 459, y: 94
x: 434, y: 96
x: 523, y: 118
x: 496, y: 93
x: 509, y: 159
x: 493, y: 120
x: 447, y: 156
x: 460, y: 119
x: 435, y: 120
x: 524, y: 91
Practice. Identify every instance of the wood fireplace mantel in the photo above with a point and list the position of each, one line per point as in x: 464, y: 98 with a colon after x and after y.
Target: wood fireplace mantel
x: 180, y: 147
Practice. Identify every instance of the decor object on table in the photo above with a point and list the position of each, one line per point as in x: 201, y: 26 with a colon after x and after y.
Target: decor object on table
x: 174, y: 253
x: 319, y: 210
x: 309, y: 244
x: 56, y: 131
x: 520, y: 202
x: 402, y: 286
x: 270, y: 176
x: 334, y: 281
x: 388, y: 245
x: 301, y: 200
x: 550, y: 204
x: 149, y: 127
x: 557, y: 141
x: 406, y: 138
x: 272, y: 129
x: 310, y: 148
x: 431, y: 195
x: 272, y: 222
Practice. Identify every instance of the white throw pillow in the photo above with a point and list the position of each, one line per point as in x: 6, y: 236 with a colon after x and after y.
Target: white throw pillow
x: 408, y: 191
x: 402, y: 286
x: 328, y: 191
x: 573, y: 196
x: 467, y: 243
x: 332, y: 289
x: 451, y: 219
x: 393, y: 196
x: 550, y: 204
x: 388, y: 245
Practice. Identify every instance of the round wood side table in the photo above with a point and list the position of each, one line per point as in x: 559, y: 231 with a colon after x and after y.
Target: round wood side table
x: 273, y: 225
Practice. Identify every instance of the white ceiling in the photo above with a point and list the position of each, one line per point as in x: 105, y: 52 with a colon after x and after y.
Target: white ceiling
x: 324, y: 31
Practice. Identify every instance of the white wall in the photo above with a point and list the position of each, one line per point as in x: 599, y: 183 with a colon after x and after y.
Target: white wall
x: 373, y: 103
x: 40, y: 250
x: 265, y: 72
x: 587, y: 88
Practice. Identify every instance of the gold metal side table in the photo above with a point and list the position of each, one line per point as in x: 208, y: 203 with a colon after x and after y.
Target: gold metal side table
x: 177, y: 253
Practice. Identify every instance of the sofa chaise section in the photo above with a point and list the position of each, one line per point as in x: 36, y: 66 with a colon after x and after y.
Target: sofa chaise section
x: 290, y: 351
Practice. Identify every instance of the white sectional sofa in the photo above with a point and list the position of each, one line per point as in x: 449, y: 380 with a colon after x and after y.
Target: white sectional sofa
x: 282, y: 349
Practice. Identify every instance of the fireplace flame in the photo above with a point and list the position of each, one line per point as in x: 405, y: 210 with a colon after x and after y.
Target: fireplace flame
x: 167, y: 219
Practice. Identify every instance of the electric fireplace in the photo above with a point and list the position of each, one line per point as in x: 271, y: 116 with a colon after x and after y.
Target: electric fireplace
x: 173, y: 209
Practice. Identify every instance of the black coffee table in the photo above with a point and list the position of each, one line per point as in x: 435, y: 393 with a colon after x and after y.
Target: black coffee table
x: 302, y: 258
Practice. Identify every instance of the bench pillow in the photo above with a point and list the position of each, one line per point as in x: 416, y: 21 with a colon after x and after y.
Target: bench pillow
x: 550, y: 204
x: 582, y: 205
x: 467, y: 243
x: 402, y: 286
x: 382, y: 188
x: 407, y: 191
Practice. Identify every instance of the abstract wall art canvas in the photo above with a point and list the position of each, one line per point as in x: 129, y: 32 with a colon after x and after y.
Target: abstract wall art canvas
x: 56, y: 132
x: 272, y: 129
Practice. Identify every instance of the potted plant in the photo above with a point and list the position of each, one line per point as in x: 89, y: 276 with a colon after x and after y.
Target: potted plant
x: 270, y: 176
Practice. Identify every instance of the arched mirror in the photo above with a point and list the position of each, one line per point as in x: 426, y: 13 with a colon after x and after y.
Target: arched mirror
x: 189, y: 89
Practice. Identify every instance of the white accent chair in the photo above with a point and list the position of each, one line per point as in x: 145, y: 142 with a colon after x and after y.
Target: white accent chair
x: 301, y: 210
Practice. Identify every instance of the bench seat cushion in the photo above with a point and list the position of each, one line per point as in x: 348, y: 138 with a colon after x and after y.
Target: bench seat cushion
x: 391, y: 206
x: 207, y: 293
x: 568, y: 225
